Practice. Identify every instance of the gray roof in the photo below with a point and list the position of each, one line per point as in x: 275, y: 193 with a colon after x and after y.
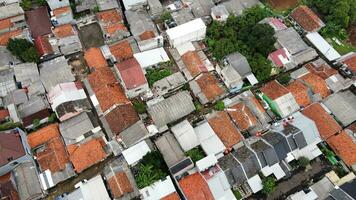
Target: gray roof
x: 27, y: 181
x: 291, y: 40
x: 339, y: 194
x: 76, y: 127
x: 16, y: 97
x: 54, y: 72
x: 200, y: 8
x: 7, y: 82
x: 107, y: 4
x: 349, y: 188
x: 233, y: 169
x: 247, y: 159
x: 82, y: 5
x: 10, y: 10
x: 171, y: 82
x: 139, y: 22
x: 278, y: 142
x: 322, y: 187
x: 337, y: 82
x: 6, y: 57
x: 170, y: 149
x: 134, y: 134
x: 343, y: 106
x: 219, y: 10
x: 69, y: 45
x: 182, y: 16
x: 35, y: 88
x: 172, y: 108
x: 239, y: 63
x: 71, y: 107
x: 265, y: 153
x: 155, y: 7
x: 26, y: 73
x: 238, y: 6
x: 32, y: 106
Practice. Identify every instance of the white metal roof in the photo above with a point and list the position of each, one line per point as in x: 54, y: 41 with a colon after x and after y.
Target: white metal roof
x: 255, y: 183
x: 94, y: 189
x: 209, y: 141
x: 136, y: 152
x: 323, y: 46
x: 206, y: 162
x: 151, y: 57
x: 158, y: 190
x: 186, y: 28
x: 131, y: 3
x: 185, y: 135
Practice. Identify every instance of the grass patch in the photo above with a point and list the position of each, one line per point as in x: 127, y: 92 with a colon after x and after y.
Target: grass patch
x: 342, y: 48
x: 139, y: 106
x: 237, y: 194
x: 154, y: 75
x: 195, y: 154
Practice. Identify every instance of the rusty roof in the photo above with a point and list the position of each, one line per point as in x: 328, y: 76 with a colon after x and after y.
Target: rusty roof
x: 344, y: 147
x: 209, y: 85
x: 62, y: 10
x: 351, y: 62
x: 242, y: 116
x: 111, y: 20
x: 4, y: 38
x: 63, y: 31
x: 121, y: 50
x: 3, y: 114
x: 100, y: 78
x: 131, y: 73
x: 300, y: 93
x: 38, y: 21
x: 43, y: 135
x: 11, y: 147
x: 323, y: 70
x: 316, y: 84
x: 326, y: 124
x: 122, y: 117
x: 274, y: 90
x: 193, y: 63
x: 95, y: 58
x: 147, y: 35
x: 8, y: 189
x: 195, y: 187
x: 172, y: 196
x: 87, y: 154
x: 225, y: 129
x: 306, y: 18
x: 119, y: 185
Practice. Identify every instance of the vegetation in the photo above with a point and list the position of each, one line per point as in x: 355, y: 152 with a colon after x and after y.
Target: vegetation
x: 23, y: 49
x: 154, y: 75
x: 244, y: 34
x: 52, y: 118
x: 198, y: 106
x: 9, y: 125
x: 139, y: 106
x: 303, y: 161
x: 220, y: 106
x: 26, y: 4
x: 41, y: 2
x: 96, y: 9
x: 237, y: 194
x: 284, y: 79
x: 166, y: 15
x: 269, y: 185
x: 36, y: 123
x: 195, y: 154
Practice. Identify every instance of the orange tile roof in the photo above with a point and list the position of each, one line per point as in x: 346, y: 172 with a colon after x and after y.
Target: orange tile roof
x: 209, y: 86
x: 119, y: 185
x: 326, y: 124
x: 147, y: 35
x: 111, y: 29
x: 85, y: 155
x: 110, y: 95
x: 300, y: 93
x: 344, y: 147
x: 121, y: 50
x: 351, y: 63
x: 122, y: 117
x: 193, y: 63
x: 324, y: 71
x: 274, y: 90
x: 172, y: 196
x: 195, y: 187
x: 5, y: 24
x: 4, y: 38
x: 242, y: 116
x: 43, y: 135
x: 111, y: 20
x: 63, y: 31
x: 225, y: 129
x: 3, y: 114
x: 100, y: 78
x: 95, y: 58
x: 316, y: 84
x: 62, y: 10
x: 306, y: 18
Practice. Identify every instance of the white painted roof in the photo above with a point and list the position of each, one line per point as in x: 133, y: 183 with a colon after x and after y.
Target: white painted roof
x: 94, y: 189
x: 323, y: 46
x: 184, y: 29
x: 206, y: 162
x: 209, y: 141
x: 136, y: 152
x: 158, y: 190
x: 151, y: 57
x: 255, y: 183
x: 185, y: 135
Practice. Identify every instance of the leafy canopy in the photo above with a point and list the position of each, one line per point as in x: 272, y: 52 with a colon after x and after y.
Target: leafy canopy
x: 23, y: 49
x: 269, y: 185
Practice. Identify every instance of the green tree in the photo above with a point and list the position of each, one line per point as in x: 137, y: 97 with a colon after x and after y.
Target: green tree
x: 26, y: 4
x: 154, y: 75
x: 261, y: 67
x: 284, y: 79
x: 139, y: 106
x: 41, y: 2
x: 269, y: 185
x: 23, y: 49
x: 147, y: 175
x: 36, y: 123
x: 52, y: 118
x: 166, y: 15
x: 219, y: 106
x: 195, y: 154
x: 30, y: 55
x: 303, y: 162
x: 155, y: 159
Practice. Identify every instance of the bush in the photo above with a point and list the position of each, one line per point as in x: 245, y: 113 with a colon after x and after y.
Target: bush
x: 220, y: 106
x: 284, y: 79
x: 9, y: 125
x: 52, y: 118
x: 23, y: 49
x: 154, y: 75
x: 166, y: 15
x: 198, y: 106
x: 139, y: 106
x: 26, y: 4
x: 269, y: 185
x: 303, y: 162
x: 195, y: 154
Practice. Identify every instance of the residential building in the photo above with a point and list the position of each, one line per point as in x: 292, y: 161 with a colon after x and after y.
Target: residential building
x: 141, y: 25
x: 135, y: 153
x: 232, y: 79
x: 13, y: 21
x: 95, y: 59
x: 194, y: 30
x: 348, y: 66
x: 192, y: 63
x: 323, y: 46
x: 168, y: 84
x: 38, y: 21
x: 276, y: 23
x: 206, y: 88
x: 219, y: 13
x: 67, y: 38
x: 185, y: 135
x: 170, y: 149
x: 237, y: 7
x: 62, y: 16
x: 243, y: 118
x: 108, y: 5
x: 155, y: 6
x: 240, y: 64
x: 195, y: 187
x: 162, y: 189
x: 35, y: 108
x: 55, y: 4
x: 301, y: 93
x: 151, y: 57
x: 306, y: 19
x: 124, y: 49
x: 134, y: 4
x: 26, y: 74
x: 131, y: 135
x: 281, y: 58
x: 200, y: 8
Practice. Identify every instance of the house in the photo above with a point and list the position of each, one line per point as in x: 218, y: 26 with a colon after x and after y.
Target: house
x: 133, y: 134
x: 67, y: 38
x: 224, y: 128
x: 7, y: 82
x: 185, y: 135
x: 44, y: 46
x: 155, y: 6
x: 192, y: 63
x: 326, y: 124
x: 38, y: 22
x: 6, y: 57
x: 55, y: 4
x: 195, y: 187
x: 244, y: 119
x: 276, y: 23
x: 68, y: 100
x: 171, y: 109
x: 141, y: 25
x: 85, y: 5
x: 120, y: 180
x: 237, y: 7
x: 26, y: 74
x: 219, y: 13
x: 55, y: 71
x: 232, y: 79
x: 93, y: 188
x: 209, y: 141
x: 124, y: 49
x: 342, y: 106
x: 14, y: 151
x: 200, y: 8
x: 181, y: 14
x: 241, y: 66
x: 4, y: 115
x: 306, y: 19
x: 108, y: 5
x: 112, y: 25
x: 316, y: 84
x: 62, y: 16
x: 51, y: 155
x: 151, y: 57
x: 281, y: 58
x: 168, y: 84
x: 319, y: 190
x: 170, y: 149
x: 323, y: 46
x: 194, y: 30
x: 348, y: 66
x: 162, y: 189
x: 13, y: 21
x: 35, y: 108
x: 134, y: 4
x: 301, y: 93
x: 15, y: 97
x: 94, y: 58
x: 135, y: 153
x: 206, y: 88
x: 280, y: 100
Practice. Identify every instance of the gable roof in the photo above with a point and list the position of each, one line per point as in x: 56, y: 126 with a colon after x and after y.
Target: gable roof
x: 121, y: 50
x: 209, y: 87
x: 119, y: 184
x: 323, y: 70
x: 274, y: 90
x: 300, y: 93
x: 131, y: 73
x: 121, y: 118
x: 43, y: 135
x: 195, y: 187
x: 193, y: 63
x: 38, y: 21
x: 242, y: 116
x: 63, y: 31
x: 316, y: 84
x: 326, y: 124
x: 239, y: 63
x: 95, y: 58
x: 11, y: 147
x: 344, y: 146
x: 306, y: 18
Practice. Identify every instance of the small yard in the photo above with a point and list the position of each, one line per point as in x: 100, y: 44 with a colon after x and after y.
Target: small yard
x: 91, y: 35
x: 342, y: 47
x: 195, y: 154
x: 154, y: 75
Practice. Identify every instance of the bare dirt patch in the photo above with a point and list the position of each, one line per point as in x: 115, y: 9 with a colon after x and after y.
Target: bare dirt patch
x: 282, y: 4
x: 352, y: 35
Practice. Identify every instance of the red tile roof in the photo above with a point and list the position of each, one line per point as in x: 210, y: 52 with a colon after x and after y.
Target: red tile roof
x: 95, y: 58
x: 100, y: 78
x: 7, y: 188
x: 344, y: 147
x: 4, y: 113
x: 111, y: 21
x: 300, y: 93
x: 316, y: 84
x: 210, y: 87
x: 131, y: 73
x: 6, y: 24
x: 43, y: 135
x: 258, y: 104
x: 225, y: 129
x: 193, y: 63
x: 43, y: 46
x: 121, y: 50
x: 63, y: 31
x: 10, y: 147
x: 147, y: 35
x: 306, y: 18
x: 351, y: 62
x: 195, y: 187
x: 119, y: 185
x: 38, y: 22
x: 62, y: 10
x: 87, y: 154
x: 172, y: 196
x: 274, y: 90
x: 122, y: 117
x: 242, y: 116
x: 326, y: 124
x: 4, y: 38
x: 324, y: 71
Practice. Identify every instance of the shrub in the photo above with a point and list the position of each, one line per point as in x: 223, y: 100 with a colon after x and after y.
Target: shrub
x: 220, y: 106
x: 303, y: 161
x: 139, y: 106
x: 23, y: 49
x: 195, y: 154
x: 269, y: 185
x: 284, y: 79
